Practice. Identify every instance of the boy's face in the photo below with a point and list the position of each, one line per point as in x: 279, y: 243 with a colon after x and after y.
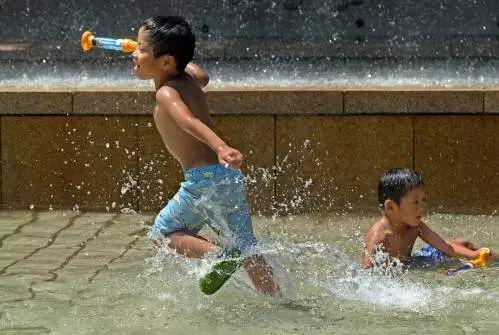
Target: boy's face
x: 412, y: 206
x: 146, y: 66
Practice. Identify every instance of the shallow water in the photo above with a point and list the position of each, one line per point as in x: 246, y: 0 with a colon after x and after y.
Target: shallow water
x: 65, y: 272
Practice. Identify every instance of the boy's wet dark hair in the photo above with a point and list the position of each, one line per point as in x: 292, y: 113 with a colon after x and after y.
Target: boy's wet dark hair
x: 171, y: 35
x: 396, y: 183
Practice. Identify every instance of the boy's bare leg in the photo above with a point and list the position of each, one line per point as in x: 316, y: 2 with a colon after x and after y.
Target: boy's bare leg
x: 261, y: 275
x: 190, y: 245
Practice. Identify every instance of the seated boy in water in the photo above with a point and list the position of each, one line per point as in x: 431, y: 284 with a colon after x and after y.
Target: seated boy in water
x: 213, y: 192
x: 401, y: 195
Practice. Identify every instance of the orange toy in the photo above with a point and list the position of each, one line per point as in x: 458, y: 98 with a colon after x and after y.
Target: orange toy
x: 483, y: 259
x: 89, y: 41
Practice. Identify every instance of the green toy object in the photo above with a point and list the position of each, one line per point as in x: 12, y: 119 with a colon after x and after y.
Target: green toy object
x: 220, y: 272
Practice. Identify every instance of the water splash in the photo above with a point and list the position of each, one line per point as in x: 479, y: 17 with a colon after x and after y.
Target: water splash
x: 322, y: 73
x: 331, y: 270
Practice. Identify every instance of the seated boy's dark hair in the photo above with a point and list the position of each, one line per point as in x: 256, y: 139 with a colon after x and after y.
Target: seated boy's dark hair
x: 396, y: 183
x: 171, y: 35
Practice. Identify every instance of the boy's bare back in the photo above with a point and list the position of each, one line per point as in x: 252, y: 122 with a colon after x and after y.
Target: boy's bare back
x: 188, y: 150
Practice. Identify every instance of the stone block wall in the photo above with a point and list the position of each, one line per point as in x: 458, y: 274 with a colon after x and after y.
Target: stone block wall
x: 309, y: 150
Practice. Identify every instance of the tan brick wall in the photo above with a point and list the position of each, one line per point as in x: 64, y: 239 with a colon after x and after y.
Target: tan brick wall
x: 329, y: 162
x: 459, y: 157
x: 66, y: 161
x: 305, y: 150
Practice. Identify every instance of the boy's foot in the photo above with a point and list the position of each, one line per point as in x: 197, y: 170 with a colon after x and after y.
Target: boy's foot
x: 220, y: 272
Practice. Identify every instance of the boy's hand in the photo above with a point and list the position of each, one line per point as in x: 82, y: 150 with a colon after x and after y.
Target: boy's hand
x: 229, y: 157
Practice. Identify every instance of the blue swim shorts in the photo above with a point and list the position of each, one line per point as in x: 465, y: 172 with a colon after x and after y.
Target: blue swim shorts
x: 210, y: 195
x: 428, y: 255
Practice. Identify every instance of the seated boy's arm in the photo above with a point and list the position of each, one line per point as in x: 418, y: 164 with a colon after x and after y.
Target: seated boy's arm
x: 198, y: 73
x: 371, y: 240
x: 169, y: 101
x: 449, y: 248
x: 436, y: 241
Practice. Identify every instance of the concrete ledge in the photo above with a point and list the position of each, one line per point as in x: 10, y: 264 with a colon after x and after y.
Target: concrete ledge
x: 491, y: 102
x: 275, y: 102
x: 254, y: 102
x: 119, y: 103
x: 399, y: 102
x: 16, y: 103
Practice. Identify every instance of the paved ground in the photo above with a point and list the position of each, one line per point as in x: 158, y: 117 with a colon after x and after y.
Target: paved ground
x: 38, y: 248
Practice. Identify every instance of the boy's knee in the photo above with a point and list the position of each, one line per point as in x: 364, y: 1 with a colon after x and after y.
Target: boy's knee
x: 176, y: 236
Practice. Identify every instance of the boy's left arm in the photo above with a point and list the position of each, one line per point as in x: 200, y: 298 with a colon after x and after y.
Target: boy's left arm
x: 198, y: 73
x: 437, y: 241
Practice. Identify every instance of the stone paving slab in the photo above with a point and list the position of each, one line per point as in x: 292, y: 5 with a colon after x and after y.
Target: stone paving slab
x: 36, y: 265
x: 9, y: 222
x: 135, y: 257
x: 26, y: 243
x: 15, y: 221
x: 23, y: 243
x: 59, y: 252
x: 86, y: 250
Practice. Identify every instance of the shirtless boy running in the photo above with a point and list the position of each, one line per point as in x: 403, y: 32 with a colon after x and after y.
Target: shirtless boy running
x: 213, y: 192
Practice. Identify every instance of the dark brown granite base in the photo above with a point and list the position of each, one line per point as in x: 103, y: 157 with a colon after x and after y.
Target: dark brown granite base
x: 459, y: 157
x: 310, y: 150
x: 334, y: 162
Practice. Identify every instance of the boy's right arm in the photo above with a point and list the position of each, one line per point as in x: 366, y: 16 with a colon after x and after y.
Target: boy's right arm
x: 170, y: 102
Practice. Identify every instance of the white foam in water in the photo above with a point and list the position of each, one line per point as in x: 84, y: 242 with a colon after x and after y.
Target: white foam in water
x: 318, y: 266
x: 387, y: 285
x: 331, y: 269
x: 381, y: 290
x: 182, y: 274
x: 174, y: 268
x: 494, y: 296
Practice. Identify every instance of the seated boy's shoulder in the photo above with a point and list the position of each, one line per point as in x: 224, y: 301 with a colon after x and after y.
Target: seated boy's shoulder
x: 377, y: 231
x: 381, y: 224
